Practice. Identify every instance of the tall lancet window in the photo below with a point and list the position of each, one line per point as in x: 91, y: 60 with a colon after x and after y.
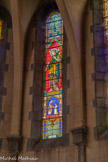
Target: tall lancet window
x: 1, y: 26
x: 105, y: 13
x: 52, y: 102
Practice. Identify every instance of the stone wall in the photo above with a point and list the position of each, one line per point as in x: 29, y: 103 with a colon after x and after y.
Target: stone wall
x: 85, y: 83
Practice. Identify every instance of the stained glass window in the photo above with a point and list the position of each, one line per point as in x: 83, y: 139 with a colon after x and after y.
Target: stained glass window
x: 1, y: 22
x: 52, y: 102
x: 105, y: 13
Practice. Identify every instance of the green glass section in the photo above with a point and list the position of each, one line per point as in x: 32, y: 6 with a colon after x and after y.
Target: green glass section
x: 50, y: 131
x: 55, y: 17
x: 54, y: 26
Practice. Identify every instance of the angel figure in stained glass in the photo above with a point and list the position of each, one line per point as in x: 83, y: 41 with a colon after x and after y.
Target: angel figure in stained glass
x: 53, y: 69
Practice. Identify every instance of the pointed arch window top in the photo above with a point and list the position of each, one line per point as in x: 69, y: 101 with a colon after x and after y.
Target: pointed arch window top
x: 54, y: 28
x: 55, y: 16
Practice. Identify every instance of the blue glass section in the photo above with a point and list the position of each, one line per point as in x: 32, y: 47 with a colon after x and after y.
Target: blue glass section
x: 60, y: 91
x: 44, y: 127
x: 107, y: 40
x: 54, y: 103
x: 45, y: 94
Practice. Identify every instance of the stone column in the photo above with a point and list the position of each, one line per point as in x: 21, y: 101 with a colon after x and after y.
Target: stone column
x: 80, y: 139
x: 14, y: 147
x: 14, y: 140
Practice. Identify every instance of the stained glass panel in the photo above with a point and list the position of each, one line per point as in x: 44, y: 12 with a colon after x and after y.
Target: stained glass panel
x: 52, y: 103
x: 52, y: 128
x: 105, y: 13
x: 1, y: 22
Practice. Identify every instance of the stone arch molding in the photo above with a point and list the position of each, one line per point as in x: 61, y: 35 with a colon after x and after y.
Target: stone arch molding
x: 74, y: 46
x: 75, y: 56
x: 79, y: 105
x: 35, y: 141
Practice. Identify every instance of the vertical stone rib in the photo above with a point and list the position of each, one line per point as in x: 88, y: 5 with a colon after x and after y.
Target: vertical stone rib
x: 76, y: 61
x: 18, y: 60
x: 80, y: 140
